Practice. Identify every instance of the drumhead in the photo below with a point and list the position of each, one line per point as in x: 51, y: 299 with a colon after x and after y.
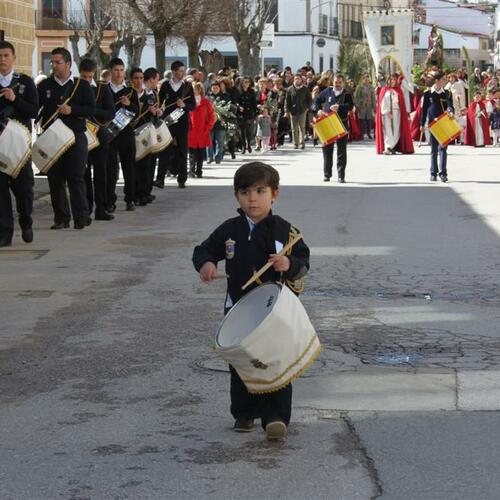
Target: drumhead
x: 247, y: 315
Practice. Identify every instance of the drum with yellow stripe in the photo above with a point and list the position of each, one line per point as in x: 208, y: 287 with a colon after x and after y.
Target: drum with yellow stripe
x: 329, y: 129
x: 445, y: 129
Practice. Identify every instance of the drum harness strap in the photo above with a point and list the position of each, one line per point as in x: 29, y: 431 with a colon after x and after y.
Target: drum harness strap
x: 9, y: 109
x: 57, y: 112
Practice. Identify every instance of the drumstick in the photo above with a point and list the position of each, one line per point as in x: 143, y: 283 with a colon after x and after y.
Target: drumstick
x: 264, y: 268
x: 175, y: 103
x: 221, y: 276
x: 11, y: 88
x: 421, y: 135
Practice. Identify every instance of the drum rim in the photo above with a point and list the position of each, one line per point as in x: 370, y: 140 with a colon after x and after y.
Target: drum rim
x: 226, y: 317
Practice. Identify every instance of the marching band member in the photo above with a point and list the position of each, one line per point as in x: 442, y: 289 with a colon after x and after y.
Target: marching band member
x: 336, y: 99
x: 148, y: 110
x: 19, y: 101
x: 392, y: 129
x: 477, y: 129
x: 74, y: 101
x: 436, y: 101
x: 104, y: 113
x: 246, y: 243
x: 122, y: 145
x: 176, y: 93
x: 151, y: 79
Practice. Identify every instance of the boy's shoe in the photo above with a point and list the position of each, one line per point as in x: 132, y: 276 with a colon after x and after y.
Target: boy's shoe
x: 276, y: 430
x: 244, y: 425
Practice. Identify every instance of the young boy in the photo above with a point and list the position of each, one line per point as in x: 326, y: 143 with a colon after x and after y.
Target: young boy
x: 248, y: 242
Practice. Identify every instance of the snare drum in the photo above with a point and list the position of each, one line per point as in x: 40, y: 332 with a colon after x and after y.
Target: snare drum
x: 329, y: 129
x: 445, y: 129
x: 163, y: 137
x: 122, y: 118
x: 51, y: 145
x: 91, y: 134
x: 15, y: 148
x: 145, y: 140
x: 268, y: 338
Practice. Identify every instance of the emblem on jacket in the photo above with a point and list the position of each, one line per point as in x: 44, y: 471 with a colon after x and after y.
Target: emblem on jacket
x: 230, y: 248
x: 48, y: 93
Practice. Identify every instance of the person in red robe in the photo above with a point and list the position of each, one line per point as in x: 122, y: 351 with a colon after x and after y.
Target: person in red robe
x: 416, y: 134
x: 392, y: 128
x: 477, y: 129
x: 355, y: 129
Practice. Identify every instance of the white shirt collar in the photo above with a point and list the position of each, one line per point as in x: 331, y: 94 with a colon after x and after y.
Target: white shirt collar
x: 337, y: 92
x: 117, y: 88
x: 251, y: 224
x: 176, y: 85
x: 61, y: 82
x: 93, y: 83
x: 6, y: 80
x: 435, y: 90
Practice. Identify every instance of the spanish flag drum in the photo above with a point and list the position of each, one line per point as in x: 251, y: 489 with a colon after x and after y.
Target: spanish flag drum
x: 268, y: 338
x: 445, y: 129
x: 329, y: 129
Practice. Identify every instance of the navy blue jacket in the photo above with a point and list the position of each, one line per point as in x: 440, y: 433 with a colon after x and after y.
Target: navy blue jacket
x: 435, y: 104
x: 247, y: 252
x: 328, y: 98
x: 25, y: 107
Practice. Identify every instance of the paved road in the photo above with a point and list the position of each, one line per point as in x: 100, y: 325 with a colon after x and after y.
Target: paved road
x: 109, y: 389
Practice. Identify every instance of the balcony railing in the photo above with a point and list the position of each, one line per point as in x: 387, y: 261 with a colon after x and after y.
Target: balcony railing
x: 67, y: 20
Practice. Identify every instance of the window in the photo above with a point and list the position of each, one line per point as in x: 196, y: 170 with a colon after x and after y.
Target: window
x: 323, y: 24
x: 52, y: 8
x: 331, y: 62
x: 321, y: 64
x: 2, y: 35
x: 46, y: 68
x: 334, y: 26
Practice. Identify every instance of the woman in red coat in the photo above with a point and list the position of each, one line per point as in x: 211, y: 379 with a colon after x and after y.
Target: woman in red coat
x: 201, y: 121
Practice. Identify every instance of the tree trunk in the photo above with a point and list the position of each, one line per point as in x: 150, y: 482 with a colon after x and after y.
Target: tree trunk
x: 249, y: 59
x: 74, y: 47
x: 160, y: 42
x: 193, y: 45
x: 133, y: 47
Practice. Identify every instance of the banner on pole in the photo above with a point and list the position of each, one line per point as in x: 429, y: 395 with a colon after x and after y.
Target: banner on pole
x: 389, y: 35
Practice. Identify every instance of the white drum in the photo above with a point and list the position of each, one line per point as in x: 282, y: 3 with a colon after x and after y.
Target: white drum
x: 145, y: 140
x: 51, y: 145
x: 91, y: 134
x: 163, y: 137
x: 15, y: 148
x: 268, y: 338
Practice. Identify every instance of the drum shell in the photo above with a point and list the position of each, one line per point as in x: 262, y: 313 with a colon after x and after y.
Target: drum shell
x: 15, y: 148
x: 282, y: 346
x: 329, y: 129
x: 163, y: 138
x: 445, y: 129
x: 145, y: 140
x: 51, y: 145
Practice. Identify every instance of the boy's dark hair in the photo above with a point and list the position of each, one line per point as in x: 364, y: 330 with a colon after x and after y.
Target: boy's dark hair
x: 133, y: 71
x: 150, y: 73
x: 256, y: 172
x: 61, y: 51
x: 4, y: 44
x: 176, y: 65
x: 116, y: 61
x: 87, y: 65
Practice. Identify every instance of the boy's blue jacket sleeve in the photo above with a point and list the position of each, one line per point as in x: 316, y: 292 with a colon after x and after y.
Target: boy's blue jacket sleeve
x: 213, y: 249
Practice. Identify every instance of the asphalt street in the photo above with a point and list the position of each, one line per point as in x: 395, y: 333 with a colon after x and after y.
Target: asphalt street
x: 109, y: 388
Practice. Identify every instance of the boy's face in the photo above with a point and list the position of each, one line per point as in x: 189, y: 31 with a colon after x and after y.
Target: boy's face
x: 256, y: 201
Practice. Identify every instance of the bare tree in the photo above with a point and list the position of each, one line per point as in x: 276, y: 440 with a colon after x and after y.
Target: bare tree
x: 205, y: 17
x: 161, y: 17
x: 246, y: 20
x: 113, y: 18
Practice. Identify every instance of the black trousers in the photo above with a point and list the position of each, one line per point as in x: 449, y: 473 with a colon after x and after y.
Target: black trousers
x: 70, y: 170
x: 341, y: 158
x: 22, y: 187
x: 247, y: 134
x: 144, y: 177
x: 96, y: 177
x: 123, y: 146
x: 196, y: 159
x: 174, y: 158
x: 268, y: 407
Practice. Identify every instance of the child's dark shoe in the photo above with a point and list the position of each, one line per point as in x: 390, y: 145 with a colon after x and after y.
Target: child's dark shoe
x: 276, y: 430
x: 244, y: 425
